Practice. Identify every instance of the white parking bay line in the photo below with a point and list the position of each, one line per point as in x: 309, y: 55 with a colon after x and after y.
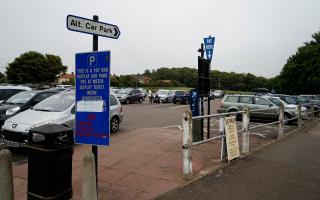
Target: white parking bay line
x: 259, y: 134
x: 180, y: 106
x: 176, y: 125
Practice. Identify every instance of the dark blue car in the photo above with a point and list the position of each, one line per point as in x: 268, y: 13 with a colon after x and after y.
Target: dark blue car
x: 181, y: 96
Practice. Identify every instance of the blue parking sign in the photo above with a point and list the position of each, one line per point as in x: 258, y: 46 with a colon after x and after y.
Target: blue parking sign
x: 209, y: 45
x: 92, y: 98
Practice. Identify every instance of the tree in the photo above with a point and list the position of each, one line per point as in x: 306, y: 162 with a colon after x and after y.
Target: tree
x: 33, y: 67
x: 301, y: 73
x: 2, y: 78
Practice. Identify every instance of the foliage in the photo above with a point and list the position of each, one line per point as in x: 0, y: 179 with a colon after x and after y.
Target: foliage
x: 34, y: 67
x: 301, y: 73
x: 2, y: 78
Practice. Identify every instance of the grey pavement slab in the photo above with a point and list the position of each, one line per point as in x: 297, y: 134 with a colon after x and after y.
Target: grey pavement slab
x: 287, y: 169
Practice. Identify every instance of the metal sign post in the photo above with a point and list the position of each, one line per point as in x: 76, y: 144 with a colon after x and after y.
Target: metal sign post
x: 92, y: 85
x: 209, y: 45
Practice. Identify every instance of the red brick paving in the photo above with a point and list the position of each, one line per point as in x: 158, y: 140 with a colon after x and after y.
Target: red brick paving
x: 138, y: 165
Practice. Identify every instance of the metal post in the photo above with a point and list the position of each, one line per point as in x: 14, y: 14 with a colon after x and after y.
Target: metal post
x: 281, y: 121
x: 202, y: 113
x: 95, y: 48
x: 208, y: 119
x: 201, y: 50
x: 187, y: 144
x: 312, y: 111
x: 299, y: 116
x: 245, y: 128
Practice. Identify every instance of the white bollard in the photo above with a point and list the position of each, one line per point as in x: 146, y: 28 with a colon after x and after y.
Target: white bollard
x: 299, y: 116
x: 281, y: 121
x: 245, y: 127
x: 6, y: 177
x: 187, y: 144
x: 89, y: 185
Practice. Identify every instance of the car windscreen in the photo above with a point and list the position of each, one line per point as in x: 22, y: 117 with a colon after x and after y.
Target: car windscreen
x: 290, y: 100
x: 7, y: 93
x: 56, y: 103
x: 21, y: 97
x: 124, y: 91
x: 275, y: 101
x: 163, y: 92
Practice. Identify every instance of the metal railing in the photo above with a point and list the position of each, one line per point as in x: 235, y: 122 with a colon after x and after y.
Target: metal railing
x: 187, y: 124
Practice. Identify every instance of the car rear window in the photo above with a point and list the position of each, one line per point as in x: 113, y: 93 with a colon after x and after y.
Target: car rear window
x: 179, y: 92
x: 233, y: 99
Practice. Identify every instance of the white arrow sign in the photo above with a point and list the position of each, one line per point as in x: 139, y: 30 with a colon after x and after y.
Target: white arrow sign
x: 89, y: 26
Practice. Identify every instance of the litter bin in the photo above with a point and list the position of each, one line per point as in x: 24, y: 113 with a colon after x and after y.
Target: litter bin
x: 50, y: 149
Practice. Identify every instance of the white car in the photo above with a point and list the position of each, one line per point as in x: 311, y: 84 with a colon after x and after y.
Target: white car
x: 57, y: 109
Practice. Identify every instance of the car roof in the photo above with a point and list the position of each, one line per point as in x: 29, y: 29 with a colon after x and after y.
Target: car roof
x: 18, y: 87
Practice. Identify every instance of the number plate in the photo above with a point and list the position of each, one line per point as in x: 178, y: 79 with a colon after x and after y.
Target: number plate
x: 12, y: 144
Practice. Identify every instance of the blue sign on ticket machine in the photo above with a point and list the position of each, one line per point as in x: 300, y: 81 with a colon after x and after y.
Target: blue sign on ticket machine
x: 92, y: 98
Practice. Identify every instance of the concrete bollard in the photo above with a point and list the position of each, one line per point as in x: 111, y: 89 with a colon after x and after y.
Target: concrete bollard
x: 89, y: 185
x: 281, y: 122
x: 187, y: 145
x: 6, y: 177
x: 245, y: 134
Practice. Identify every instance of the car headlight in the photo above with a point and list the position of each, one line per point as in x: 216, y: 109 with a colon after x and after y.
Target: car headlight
x: 12, y: 111
x: 41, y: 124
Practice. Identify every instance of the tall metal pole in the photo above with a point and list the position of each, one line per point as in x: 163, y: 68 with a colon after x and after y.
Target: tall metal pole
x: 201, y: 50
x: 94, y: 147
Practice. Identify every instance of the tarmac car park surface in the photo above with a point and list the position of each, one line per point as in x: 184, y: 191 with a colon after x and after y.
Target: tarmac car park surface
x: 168, y: 116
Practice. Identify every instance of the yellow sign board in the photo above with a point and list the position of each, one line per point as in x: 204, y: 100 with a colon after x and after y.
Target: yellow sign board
x: 231, y: 137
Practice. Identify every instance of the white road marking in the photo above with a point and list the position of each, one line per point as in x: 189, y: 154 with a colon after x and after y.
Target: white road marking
x: 259, y: 134
x: 176, y: 125
x: 176, y: 107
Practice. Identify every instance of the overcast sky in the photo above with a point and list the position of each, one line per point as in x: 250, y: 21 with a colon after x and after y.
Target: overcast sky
x: 255, y: 36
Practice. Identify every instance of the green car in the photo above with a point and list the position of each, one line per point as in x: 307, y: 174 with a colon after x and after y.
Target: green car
x: 234, y: 103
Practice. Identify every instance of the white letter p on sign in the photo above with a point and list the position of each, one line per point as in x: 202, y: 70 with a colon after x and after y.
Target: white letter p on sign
x: 92, y: 60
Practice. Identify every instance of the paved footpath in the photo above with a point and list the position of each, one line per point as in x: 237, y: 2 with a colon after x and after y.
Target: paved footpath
x: 287, y: 169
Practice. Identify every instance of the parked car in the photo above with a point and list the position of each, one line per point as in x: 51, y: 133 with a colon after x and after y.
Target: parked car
x: 261, y: 91
x: 129, y: 95
x: 165, y: 96
x: 144, y: 92
x: 21, y: 102
x: 278, y: 101
x: 7, y: 91
x: 57, y: 109
x: 181, y: 96
x: 308, y: 102
x: 218, y: 93
x: 115, y: 112
x: 234, y: 103
x: 295, y: 101
x: 313, y: 98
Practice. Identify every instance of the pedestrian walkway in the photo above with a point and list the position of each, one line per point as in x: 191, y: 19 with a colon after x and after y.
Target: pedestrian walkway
x: 138, y: 165
x: 287, y: 169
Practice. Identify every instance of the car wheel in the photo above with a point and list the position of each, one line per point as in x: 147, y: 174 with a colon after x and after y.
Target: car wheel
x: 166, y: 101
x: 140, y: 100
x: 114, y: 124
x: 174, y: 102
x: 127, y: 101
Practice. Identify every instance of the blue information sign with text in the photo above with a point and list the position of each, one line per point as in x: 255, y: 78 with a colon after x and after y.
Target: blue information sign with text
x: 92, y: 98
x: 209, y: 45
